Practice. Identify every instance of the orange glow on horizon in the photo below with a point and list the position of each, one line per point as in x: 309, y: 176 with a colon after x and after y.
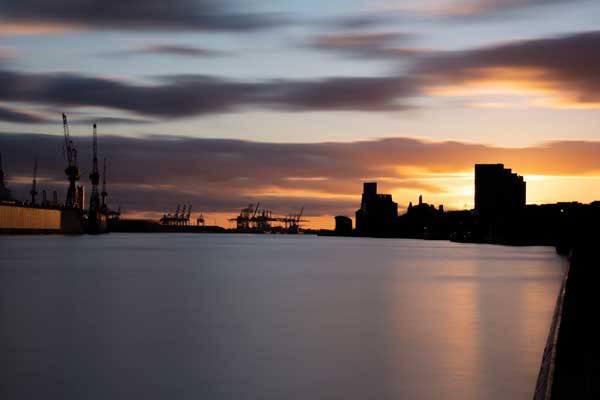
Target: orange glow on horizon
x: 527, y: 87
x: 35, y: 28
x: 457, y: 193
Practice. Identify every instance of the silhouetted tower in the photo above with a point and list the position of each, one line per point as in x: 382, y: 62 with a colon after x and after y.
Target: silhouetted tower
x: 33, y: 190
x: 95, y: 176
x: 104, y: 193
x: 72, y: 170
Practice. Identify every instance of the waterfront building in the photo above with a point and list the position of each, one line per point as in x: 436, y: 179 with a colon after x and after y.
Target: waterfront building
x: 498, y: 189
x: 378, y: 213
x: 422, y: 221
x: 343, y: 225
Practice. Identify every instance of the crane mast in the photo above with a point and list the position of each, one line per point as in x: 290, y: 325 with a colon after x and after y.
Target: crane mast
x: 33, y: 190
x: 72, y: 170
x: 95, y: 176
x: 104, y: 193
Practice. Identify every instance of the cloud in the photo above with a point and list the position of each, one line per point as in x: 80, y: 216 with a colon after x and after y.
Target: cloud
x: 167, y: 49
x: 153, y: 174
x: 342, y: 94
x: 561, y: 72
x: 370, y: 45
x: 110, y: 121
x: 192, y: 95
x: 459, y: 9
x: 489, y: 7
x: 7, y: 53
x: 565, y: 67
x: 21, y: 117
x: 199, y: 15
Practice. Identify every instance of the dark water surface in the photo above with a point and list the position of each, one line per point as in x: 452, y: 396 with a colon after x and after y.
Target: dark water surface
x: 136, y: 316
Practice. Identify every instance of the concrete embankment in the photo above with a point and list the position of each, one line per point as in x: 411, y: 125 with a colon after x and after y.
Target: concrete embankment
x: 16, y: 218
x: 571, y: 364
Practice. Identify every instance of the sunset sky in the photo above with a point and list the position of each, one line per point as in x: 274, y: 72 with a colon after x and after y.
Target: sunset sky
x: 295, y: 103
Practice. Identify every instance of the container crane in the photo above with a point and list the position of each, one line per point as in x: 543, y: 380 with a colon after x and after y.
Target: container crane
x: 299, y: 215
x: 72, y: 170
x: 200, y: 220
x: 182, y: 216
x: 104, y: 193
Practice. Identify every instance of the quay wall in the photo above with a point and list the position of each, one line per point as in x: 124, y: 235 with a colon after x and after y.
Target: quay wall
x: 543, y: 387
x: 15, y: 218
x: 571, y: 365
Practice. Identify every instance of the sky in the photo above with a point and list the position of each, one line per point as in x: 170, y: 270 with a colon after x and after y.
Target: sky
x: 296, y: 103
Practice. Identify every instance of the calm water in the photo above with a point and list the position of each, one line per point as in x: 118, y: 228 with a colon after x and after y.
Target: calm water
x: 135, y: 316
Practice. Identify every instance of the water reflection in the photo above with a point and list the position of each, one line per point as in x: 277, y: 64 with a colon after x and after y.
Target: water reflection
x: 257, y: 317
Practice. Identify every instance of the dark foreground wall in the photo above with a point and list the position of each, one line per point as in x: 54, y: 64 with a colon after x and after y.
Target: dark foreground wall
x: 571, y: 364
x: 577, y: 365
x: 543, y: 388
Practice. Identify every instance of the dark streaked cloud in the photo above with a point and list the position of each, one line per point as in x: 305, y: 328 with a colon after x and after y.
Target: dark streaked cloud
x: 20, y: 117
x: 567, y: 63
x: 190, y: 95
x: 354, y: 93
x: 167, y: 49
x: 201, y: 15
x: 180, y: 97
x: 109, y: 121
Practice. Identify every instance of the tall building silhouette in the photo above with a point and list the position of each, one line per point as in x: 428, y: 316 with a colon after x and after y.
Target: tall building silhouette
x: 498, y: 189
x: 378, y: 213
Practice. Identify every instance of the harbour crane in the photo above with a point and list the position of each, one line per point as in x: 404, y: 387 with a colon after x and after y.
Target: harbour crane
x: 182, y: 216
x: 104, y: 193
x: 299, y: 215
x: 33, y: 190
x: 200, y: 220
x: 94, y: 176
x: 72, y: 170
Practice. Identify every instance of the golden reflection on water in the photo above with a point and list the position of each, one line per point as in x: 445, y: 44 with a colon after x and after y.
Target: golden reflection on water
x: 481, y: 324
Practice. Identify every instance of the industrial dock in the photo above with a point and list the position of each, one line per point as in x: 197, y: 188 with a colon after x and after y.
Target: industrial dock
x: 45, y: 215
x: 50, y: 216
